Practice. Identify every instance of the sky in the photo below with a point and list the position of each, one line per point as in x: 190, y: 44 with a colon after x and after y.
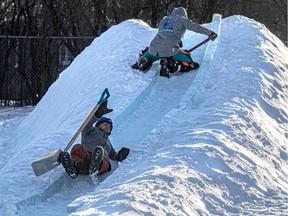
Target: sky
x: 208, y: 142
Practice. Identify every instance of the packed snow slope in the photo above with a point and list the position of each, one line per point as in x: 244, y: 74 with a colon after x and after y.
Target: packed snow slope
x: 207, y: 142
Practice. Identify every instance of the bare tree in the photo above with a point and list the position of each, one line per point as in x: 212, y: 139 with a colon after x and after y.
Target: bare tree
x: 28, y: 67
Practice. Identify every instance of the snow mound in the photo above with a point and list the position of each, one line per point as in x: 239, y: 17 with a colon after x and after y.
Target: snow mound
x: 211, y: 142
x: 224, y: 153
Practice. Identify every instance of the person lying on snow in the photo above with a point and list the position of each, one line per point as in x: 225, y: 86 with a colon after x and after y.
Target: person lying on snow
x: 167, y: 43
x: 96, y: 150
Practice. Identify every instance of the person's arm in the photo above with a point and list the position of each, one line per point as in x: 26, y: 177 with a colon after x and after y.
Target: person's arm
x: 112, y: 154
x: 102, y: 110
x: 192, y: 26
x: 89, y: 127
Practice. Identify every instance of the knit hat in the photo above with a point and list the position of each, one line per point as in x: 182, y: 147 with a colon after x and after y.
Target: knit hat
x: 107, y: 120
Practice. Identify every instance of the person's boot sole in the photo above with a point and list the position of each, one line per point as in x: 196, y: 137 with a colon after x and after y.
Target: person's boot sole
x: 69, y: 166
x: 96, y: 160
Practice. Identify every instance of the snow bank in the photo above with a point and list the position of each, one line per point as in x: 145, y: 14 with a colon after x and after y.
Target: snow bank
x: 224, y: 153
x: 211, y: 142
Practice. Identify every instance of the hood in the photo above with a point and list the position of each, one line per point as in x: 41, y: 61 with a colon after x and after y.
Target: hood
x: 180, y: 11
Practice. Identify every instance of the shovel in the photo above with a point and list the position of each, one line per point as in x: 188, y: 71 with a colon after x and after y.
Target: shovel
x: 51, y: 160
x: 200, y: 44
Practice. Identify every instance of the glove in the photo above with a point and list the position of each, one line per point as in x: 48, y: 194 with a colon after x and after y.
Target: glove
x: 213, y: 36
x: 102, y: 110
x: 122, y: 154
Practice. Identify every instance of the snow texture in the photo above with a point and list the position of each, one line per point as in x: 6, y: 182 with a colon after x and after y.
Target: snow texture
x: 207, y: 142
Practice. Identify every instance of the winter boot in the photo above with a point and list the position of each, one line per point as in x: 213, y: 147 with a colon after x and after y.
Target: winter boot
x: 96, y: 160
x: 69, y: 165
x: 195, y: 66
x: 164, y: 71
x: 144, y: 63
x: 135, y: 66
x: 168, y: 65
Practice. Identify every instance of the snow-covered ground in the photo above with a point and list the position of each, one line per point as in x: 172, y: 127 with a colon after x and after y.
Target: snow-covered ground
x: 207, y: 142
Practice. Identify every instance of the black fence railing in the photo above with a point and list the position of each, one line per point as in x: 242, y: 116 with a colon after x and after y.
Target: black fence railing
x: 29, y: 65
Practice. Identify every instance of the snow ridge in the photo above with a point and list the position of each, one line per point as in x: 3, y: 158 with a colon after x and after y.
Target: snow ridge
x: 128, y: 111
x: 216, y: 146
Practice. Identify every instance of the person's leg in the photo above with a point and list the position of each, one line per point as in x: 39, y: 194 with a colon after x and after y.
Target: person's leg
x: 185, y: 59
x: 99, y: 162
x: 81, y: 158
x: 96, y: 160
x: 151, y: 57
x: 145, y: 61
x: 68, y: 165
x: 182, y: 57
x: 168, y: 65
x: 105, y: 167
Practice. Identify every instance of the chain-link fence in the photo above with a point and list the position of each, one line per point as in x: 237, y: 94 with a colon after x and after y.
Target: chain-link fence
x: 29, y: 65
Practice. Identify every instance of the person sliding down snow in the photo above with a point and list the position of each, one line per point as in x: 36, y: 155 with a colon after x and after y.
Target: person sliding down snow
x: 167, y: 42
x: 96, y: 149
